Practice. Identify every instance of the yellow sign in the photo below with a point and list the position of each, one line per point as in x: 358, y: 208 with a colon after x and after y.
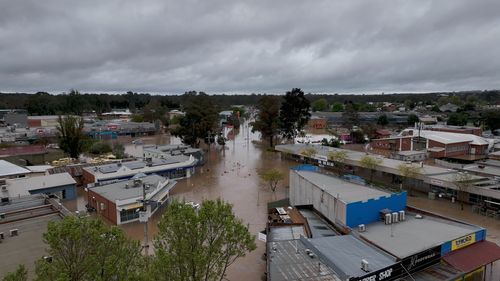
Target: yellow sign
x: 463, y: 241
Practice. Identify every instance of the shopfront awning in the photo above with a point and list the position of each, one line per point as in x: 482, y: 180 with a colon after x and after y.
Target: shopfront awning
x: 130, y: 206
x: 473, y: 257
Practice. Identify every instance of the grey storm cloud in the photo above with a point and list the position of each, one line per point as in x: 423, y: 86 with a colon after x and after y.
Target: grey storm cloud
x: 249, y: 46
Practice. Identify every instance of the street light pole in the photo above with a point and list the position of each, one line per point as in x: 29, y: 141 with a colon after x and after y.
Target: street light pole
x: 145, y: 213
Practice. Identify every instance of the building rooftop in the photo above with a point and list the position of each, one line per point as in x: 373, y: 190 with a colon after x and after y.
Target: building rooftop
x: 414, y: 235
x: 28, y: 246
x: 288, y: 260
x: 344, y: 255
x: 133, y: 167
x: 446, y: 137
x: 124, y: 190
x: 486, y: 170
x: 286, y: 232
x: 39, y: 168
x: 23, y: 186
x: 318, y: 226
x: 347, y: 191
x: 8, y: 169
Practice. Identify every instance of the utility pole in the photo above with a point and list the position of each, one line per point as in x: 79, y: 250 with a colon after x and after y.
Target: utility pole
x: 144, y: 217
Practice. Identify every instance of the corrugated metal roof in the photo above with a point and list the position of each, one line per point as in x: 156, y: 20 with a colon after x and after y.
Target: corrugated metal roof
x: 474, y: 256
x: 346, y: 253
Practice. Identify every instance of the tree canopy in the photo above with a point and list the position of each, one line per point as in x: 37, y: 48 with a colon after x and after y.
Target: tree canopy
x: 382, y: 120
x: 21, y: 274
x: 85, y: 249
x: 199, y: 244
x: 72, y: 139
x: 409, y: 171
x: 412, y: 119
x: 267, y: 121
x: 272, y: 177
x: 350, y: 115
x: 200, y: 120
x: 371, y: 163
x: 294, y: 113
x: 319, y: 105
x: 463, y: 182
x: 457, y: 119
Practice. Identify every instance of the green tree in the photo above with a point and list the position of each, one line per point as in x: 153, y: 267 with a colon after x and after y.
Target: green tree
x: 463, y: 182
x: 350, y: 115
x: 199, y: 244
x: 382, y: 120
x: 412, y: 119
x: 308, y: 153
x: 100, y: 147
x: 119, y: 150
x: 72, y: 139
x: 319, y: 105
x: 337, y: 107
x: 200, y: 121
x: 85, y: 249
x: 491, y: 119
x: 338, y: 157
x: 21, y: 274
x: 409, y: 171
x: 267, y: 121
x: 294, y: 113
x: 371, y: 163
x: 457, y: 119
x: 272, y: 177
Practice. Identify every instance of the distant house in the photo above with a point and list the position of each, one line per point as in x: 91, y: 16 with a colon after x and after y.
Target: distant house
x: 122, y: 114
x: 175, y: 113
x: 428, y: 120
x: 382, y: 133
x: 316, y: 122
x: 43, y: 121
x: 449, y: 107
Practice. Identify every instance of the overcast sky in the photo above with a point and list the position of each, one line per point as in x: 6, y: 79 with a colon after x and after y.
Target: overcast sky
x: 249, y: 46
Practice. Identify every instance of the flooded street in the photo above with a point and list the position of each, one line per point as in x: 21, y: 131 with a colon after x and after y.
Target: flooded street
x: 230, y: 173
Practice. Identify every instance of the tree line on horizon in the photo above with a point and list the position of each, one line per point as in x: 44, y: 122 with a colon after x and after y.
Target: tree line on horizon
x: 74, y: 102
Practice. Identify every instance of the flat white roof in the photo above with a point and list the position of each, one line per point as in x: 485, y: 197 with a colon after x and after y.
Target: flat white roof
x: 446, y: 137
x: 347, y: 191
x: 9, y: 169
x: 23, y: 186
x: 39, y: 168
x: 414, y: 235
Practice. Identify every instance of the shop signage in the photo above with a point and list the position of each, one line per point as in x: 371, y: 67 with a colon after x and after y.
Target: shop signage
x: 411, y: 264
x: 463, y: 241
x: 422, y: 259
x: 385, y: 274
x: 437, y: 182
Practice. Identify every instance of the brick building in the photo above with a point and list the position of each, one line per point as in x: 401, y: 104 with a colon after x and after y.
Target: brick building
x: 119, y: 202
x: 440, y: 144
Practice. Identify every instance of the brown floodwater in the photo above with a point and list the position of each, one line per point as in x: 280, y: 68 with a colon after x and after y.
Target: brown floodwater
x: 231, y: 173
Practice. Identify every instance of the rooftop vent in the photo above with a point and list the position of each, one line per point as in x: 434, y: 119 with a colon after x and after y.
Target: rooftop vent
x: 137, y: 182
x: 361, y: 228
x: 365, y: 266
